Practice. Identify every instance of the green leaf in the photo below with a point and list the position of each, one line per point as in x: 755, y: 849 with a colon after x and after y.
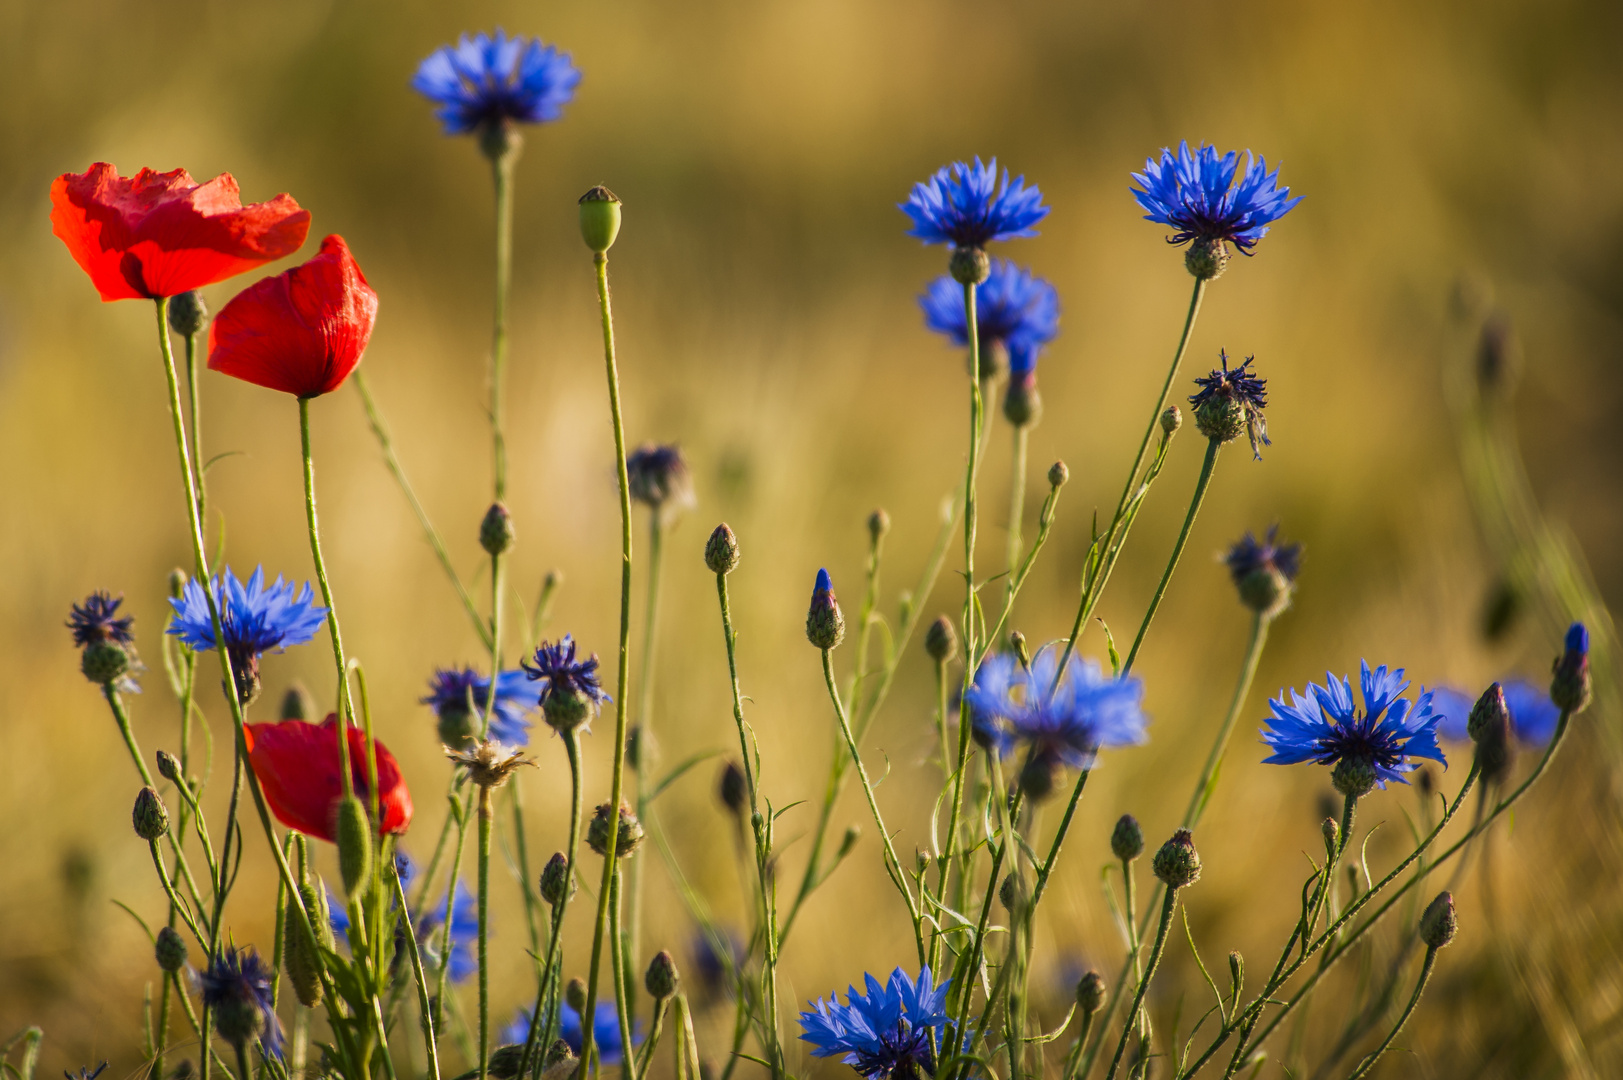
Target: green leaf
x: 676, y: 774
x: 1110, y: 644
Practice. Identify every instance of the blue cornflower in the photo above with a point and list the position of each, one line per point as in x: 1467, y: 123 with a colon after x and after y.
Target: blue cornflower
x: 1230, y: 401
x: 965, y: 206
x: 1194, y: 192
x: 570, y: 690
x: 464, y: 932
x: 1013, y: 308
x: 86, y: 1073
x: 1533, y: 715
x: 488, y: 80
x: 1089, y: 710
x: 96, y: 620
x: 236, y: 986
x: 1264, y: 571
x: 886, y: 1033
x: 255, y: 618
x: 717, y: 968
x: 452, y: 689
x: 658, y: 477
x: 605, y: 1030
x: 1324, y: 726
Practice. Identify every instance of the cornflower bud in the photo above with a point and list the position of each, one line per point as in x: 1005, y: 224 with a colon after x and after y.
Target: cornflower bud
x: 575, y: 995
x: 1171, y: 420
x: 168, y: 767
x: 150, y: 816
x: 825, y: 625
x: 1127, y: 839
x: 878, y: 525
x: 1022, y: 404
x: 1332, y: 837
x: 1012, y: 894
x: 170, y: 949
x: 1236, y: 975
x: 187, y: 313
x: 969, y: 265
x: 627, y: 837
x: 177, y: 583
x: 1090, y: 993
x: 721, y: 550
x: 505, y: 1061
x: 1017, y: 642
x: 297, y: 704
x: 104, y: 662
x: 1570, y: 689
x: 852, y: 834
x: 941, y: 640
x: 733, y: 789
x: 1439, y: 923
x: 1177, y: 864
x: 496, y: 533
x: 1489, y: 728
x: 1207, y: 258
x: 557, y: 883
x: 1354, y: 776
x: 1037, y: 776
x: 599, y: 219
x: 662, y: 977
x: 1058, y: 474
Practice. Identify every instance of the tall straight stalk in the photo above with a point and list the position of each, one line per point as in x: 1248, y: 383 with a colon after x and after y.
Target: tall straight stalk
x: 486, y: 814
x: 348, y: 716
x: 501, y: 167
x: 632, y: 942
x: 589, y: 1057
x: 1212, y: 447
x: 1017, y: 500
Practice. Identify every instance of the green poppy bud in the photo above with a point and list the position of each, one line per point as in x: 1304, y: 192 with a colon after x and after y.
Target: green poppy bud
x: 599, y: 218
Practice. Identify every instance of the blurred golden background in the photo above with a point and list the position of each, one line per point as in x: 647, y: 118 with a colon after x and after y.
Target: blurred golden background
x: 765, y: 309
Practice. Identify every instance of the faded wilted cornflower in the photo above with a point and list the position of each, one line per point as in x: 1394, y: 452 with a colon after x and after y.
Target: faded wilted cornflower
x: 108, y: 647
x: 570, y: 690
x: 1231, y: 401
x: 255, y: 619
x: 889, y: 1032
x: 452, y: 690
x: 1195, y: 193
x: 236, y: 986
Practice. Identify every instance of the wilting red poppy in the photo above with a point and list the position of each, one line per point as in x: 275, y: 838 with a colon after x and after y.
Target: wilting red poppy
x: 302, y: 331
x: 297, y: 766
x: 161, y: 234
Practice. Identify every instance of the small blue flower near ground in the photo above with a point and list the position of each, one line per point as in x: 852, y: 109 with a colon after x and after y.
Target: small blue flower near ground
x: 487, y: 80
x: 605, y: 1031
x: 1087, y: 712
x: 887, y: 1032
x: 236, y: 986
x: 1013, y: 308
x: 1325, y: 726
x: 1195, y: 193
x: 1533, y: 715
x: 965, y: 206
x: 464, y: 932
x: 516, y: 696
x: 97, y: 620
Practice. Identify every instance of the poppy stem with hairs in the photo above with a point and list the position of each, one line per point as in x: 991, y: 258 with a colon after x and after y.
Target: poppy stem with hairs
x: 589, y: 1056
x: 348, y: 710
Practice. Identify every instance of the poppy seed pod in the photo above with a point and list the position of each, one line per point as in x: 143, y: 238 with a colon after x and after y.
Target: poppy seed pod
x: 150, y: 816
x: 721, y: 550
x: 1177, y: 864
x: 599, y: 219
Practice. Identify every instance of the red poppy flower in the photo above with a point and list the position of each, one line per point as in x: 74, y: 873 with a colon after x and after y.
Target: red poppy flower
x: 161, y: 234
x: 297, y: 766
x: 302, y: 331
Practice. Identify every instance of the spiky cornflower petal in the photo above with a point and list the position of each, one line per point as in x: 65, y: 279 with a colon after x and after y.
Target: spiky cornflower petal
x: 1088, y: 711
x: 1013, y: 308
x: 485, y: 79
x: 236, y: 985
x: 1249, y: 555
x: 454, y: 688
x: 556, y: 666
x: 1325, y: 726
x: 254, y: 617
x: 965, y: 206
x: 1533, y: 715
x: 890, y: 1031
x: 97, y: 620
x: 1194, y: 192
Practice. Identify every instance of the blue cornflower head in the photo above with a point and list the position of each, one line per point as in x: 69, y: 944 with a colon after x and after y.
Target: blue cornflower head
x: 1264, y: 571
x: 605, y: 1030
x: 1367, y: 748
x: 717, y: 967
x: 255, y: 619
x: 464, y: 932
x: 1533, y: 715
x: 86, y: 1073
x: 569, y: 687
x: 236, y: 986
x: 965, y: 206
x: 451, y: 690
x: 1231, y: 401
x: 1196, y: 194
x: 1013, y: 308
x: 483, y: 81
x: 658, y: 477
x: 96, y: 620
x: 884, y: 1033
x: 1089, y: 710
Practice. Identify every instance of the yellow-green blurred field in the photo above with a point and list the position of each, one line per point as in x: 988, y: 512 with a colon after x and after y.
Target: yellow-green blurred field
x: 764, y: 293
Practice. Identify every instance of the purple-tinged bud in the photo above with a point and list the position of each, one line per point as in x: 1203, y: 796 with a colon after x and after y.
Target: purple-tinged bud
x: 1489, y: 728
x: 1127, y: 839
x: 1439, y: 924
x: 1022, y: 404
x: 1571, y: 689
x: 733, y: 789
x: 557, y: 884
x: 1177, y: 864
x: 721, y: 550
x: 1171, y: 420
x: 878, y: 525
x: 941, y: 640
x: 1090, y: 993
x: 1058, y: 473
x: 496, y: 533
x: 150, y: 816
x: 662, y: 977
x: 825, y: 626
x: 626, y: 838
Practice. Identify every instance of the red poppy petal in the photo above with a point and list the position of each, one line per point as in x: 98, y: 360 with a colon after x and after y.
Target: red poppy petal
x: 297, y: 767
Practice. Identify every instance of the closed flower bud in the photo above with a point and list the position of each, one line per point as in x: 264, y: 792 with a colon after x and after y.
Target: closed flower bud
x: 1570, y: 689
x: 150, y: 816
x: 1489, y: 728
x: 177, y: 583
x: 852, y: 834
x: 878, y: 525
x: 1090, y: 993
x: 505, y: 1061
x: 599, y: 218
x: 496, y: 532
x: 1177, y: 864
x: 1058, y: 473
x: 662, y: 976
x: 565, y: 709
x: 733, y: 788
x: 297, y: 704
x: 627, y: 836
x: 1207, y: 258
x: 104, y: 662
x: 1332, y: 837
x: 302, y: 965
x: 557, y: 883
x: 1012, y: 894
x: 940, y: 639
x: 1127, y: 839
x: 1236, y: 975
x: 168, y: 767
x: 575, y: 995
x: 1171, y: 420
x: 1022, y: 404
x: 560, y: 1052
x: 721, y: 550
x: 1490, y: 711
x: 1354, y: 776
x: 1439, y: 924
x: 825, y: 625
x: 187, y: 313
x: 634, y: 746
x: 354, y: 845
x: 1017, y: 642
x: 969, y: 265
x: 170, y: 949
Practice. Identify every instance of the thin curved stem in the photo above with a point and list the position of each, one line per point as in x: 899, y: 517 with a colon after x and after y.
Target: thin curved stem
x: 1170, y: 902
x: 314, y: 527
x: 417, y: 973
x: 1017, y: 501
x: 486, y: 813
x: 645, y: 747
x: 1419, y: 987
x: 1212, y: 447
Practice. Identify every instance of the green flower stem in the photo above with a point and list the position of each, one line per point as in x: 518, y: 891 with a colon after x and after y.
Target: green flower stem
x: 501, y: 168
x: 443, y: 971
x: 1017, y: 502
x: 632, y: 944
x: 1419, y: 987
x: 419, y: 977
x: 486, y: 814
x: 1167, y: 905
x: 971, y: 510
x: 242, y: 1060
x: 964, y: 977
x: 892, y: 864
x: 661, y: 1006
x: 192, y: 387
x: 532, y: 902
x: 1096, y: 586
x: 1212, y: 447
x: 622, y: 974
x: 380, y: 430
x: 174, y: 898
x: 1018, y: 575
x: 1134, y: 944
x: 589, y: 1061
x: 314, y: 527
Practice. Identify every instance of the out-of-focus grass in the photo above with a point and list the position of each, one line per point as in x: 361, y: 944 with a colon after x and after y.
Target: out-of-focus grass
x: 765, y: 309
